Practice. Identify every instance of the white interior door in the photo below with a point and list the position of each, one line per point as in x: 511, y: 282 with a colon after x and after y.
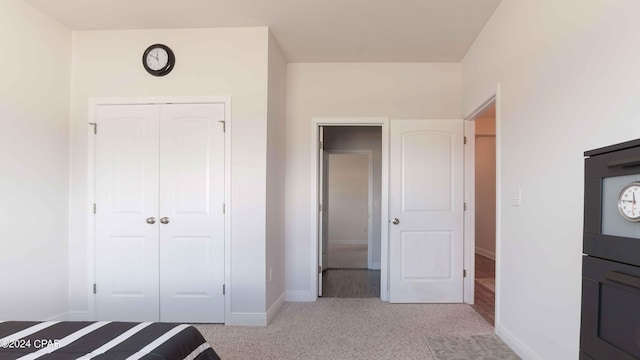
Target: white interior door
x: 127, y: 211
x: 191, y: 213
x: 426, y: 198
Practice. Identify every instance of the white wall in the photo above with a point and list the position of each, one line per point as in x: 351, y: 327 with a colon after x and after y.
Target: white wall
x: 275, y: 174
x: 34, y: 133
x: 568, y: 74
x: 208, y: 62
x: 485, y: 187
x: 342, y: 90
x: 348, y: 207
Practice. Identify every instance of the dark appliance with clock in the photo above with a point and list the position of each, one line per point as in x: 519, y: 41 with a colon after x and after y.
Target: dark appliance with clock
x: 610, y: 327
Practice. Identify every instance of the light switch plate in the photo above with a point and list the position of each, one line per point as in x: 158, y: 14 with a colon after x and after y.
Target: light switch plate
x: 516, y: 198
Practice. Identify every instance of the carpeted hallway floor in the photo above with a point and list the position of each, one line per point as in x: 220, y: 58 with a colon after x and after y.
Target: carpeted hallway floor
x: 362, y: 329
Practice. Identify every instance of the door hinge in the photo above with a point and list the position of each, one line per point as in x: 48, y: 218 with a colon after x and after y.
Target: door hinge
x: 94, y: 209
x: 465, y: 140
x: 464, y: 272
x: 95, y: 127
x: 224, y: 208
x: 223, y: 289
x: 465, y: 206
x: 320, y: 269
x: 224, y: 125
x: 94, y: 288
x: 321, y: 145
x: 320, y: 207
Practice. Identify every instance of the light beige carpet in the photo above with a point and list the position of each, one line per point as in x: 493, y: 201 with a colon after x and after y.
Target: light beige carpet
x: 347, y: 256
x: 360, y: 329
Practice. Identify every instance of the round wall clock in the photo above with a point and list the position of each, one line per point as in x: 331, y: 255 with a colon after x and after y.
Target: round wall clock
x: 629, y: 202
x: 158, y: 60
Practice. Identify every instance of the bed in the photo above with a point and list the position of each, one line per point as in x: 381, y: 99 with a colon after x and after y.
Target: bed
x: 100, y: 340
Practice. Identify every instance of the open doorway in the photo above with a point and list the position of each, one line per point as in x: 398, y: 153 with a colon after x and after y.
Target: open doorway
x: 351, y: 211
x: 485, y: 214
x: 349, y: 175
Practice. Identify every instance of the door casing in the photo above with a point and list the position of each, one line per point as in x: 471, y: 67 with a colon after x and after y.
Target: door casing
x: 91, y: 146
x: 494, y: 99
x: 316, y: 123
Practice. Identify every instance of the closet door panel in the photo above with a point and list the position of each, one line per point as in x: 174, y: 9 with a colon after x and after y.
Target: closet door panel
x: 127, y: 170
x: 191, y: 213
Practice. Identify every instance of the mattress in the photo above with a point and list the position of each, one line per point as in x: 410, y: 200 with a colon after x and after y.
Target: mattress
x: 102, y: 340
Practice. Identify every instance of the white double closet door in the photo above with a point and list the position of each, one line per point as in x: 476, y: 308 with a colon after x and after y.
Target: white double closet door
x: 159, y: 221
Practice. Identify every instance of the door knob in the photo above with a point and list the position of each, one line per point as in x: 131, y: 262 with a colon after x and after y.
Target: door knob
x: 395, y: 221
x: 164, y: 220
x: 151, y: 220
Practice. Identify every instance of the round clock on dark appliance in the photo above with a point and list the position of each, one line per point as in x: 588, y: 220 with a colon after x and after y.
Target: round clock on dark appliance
x: 629, y: 202
x: 158, y: 60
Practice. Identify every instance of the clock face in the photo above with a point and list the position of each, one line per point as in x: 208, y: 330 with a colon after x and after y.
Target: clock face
x: 158, y: 60
x: 629, y: 202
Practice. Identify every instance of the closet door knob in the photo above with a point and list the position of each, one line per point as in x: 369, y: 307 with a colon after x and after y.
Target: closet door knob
x: 395, y: 221
x: 151, y: 220
x: 164, y: 220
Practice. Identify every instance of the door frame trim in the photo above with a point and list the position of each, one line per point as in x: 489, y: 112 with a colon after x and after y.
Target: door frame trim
x: 383, y: 123
x: 91, y: 150
x: 469, y: 235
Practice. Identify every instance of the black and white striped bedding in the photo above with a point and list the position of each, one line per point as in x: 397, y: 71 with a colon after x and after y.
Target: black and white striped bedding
x: 101, y: 340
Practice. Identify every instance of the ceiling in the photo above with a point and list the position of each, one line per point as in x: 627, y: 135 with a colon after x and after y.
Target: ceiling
x: 306, y: 30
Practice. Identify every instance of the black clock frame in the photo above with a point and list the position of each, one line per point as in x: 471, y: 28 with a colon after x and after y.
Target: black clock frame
x: 170, y: 63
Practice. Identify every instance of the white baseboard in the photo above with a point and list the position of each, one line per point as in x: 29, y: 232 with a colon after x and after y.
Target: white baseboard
x: 515, y: 344
x: 300, y: 296
x: 486, y: 253
x: 78, y: 315
x: 59, y: 317
x: 275, y: 308
x: 374, y: 266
